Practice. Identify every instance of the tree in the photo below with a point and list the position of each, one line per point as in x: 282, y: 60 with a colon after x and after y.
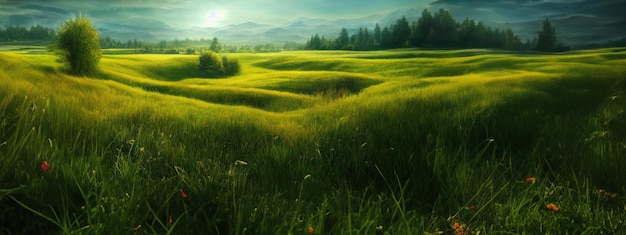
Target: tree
x: 343, y: 40
x: 231, y: 66
x: 467, y: 34
x: 377, y: 35
x: 385, y: 38
x: 512, y: 41
x: 315, y: 43
x: 443, y: 29
x: 215, y: 45
x: 400, y: 33
x: 546, y: 38
x: 79, y: 46
x: 424, y: 27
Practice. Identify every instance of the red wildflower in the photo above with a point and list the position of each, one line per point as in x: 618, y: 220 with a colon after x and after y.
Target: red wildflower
x: 182, y: 193
x: 311, y: 230
x: 472, y: 207
x: 530, y: 180
x: 170, y: 220
x: 460, y: 229
x: 45, y: 166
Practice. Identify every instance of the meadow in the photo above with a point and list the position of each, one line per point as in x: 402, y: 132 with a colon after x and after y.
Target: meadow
x: 316, y: 142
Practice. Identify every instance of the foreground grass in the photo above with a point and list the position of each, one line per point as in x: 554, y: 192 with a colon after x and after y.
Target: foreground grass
x: 390, y: 142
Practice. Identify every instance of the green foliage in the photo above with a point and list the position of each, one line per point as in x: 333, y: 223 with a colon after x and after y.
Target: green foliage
x: 343, y: 40
x: 18, y: 33
x: 400, y: 33
x: 215, y: 45
x: 231, y: 66
x: 212, y: 66
x: 546, y: 37
x: 79, y: 46
x: 438, y: 30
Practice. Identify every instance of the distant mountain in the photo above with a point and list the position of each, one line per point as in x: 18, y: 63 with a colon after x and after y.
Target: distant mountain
x: 570, y: 29
x: 411, y: 15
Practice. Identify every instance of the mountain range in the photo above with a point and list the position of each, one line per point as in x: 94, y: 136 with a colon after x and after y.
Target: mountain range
x: 572, y: 30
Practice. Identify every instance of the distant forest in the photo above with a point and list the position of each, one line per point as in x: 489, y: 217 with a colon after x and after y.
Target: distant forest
x: 34, y: 33
x: 438, y: 30
x: 40, y: 33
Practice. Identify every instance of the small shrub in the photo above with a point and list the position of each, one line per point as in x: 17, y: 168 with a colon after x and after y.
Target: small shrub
x: 79, y: 46
x: 212, y: 66
x: 171, y: 51
x: 231, y: 66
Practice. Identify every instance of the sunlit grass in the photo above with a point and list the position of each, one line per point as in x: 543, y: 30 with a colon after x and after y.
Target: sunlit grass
x: 388, y: 142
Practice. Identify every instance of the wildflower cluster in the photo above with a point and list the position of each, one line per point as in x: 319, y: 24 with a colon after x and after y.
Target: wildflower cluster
x: 460, y: 229
x: 607, y: 194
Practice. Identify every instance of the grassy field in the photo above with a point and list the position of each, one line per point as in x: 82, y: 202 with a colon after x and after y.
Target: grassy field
x: 332, y: 142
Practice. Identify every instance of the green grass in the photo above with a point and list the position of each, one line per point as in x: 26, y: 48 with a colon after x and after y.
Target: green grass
x: 389, y: 142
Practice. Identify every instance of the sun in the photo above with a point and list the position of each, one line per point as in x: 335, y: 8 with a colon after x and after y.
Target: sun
x: 214, y: 17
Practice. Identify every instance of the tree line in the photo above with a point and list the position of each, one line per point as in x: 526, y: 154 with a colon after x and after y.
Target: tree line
x: 438, y: 30
x: 34, y: 33
x: 78, y: 47
x: 194, y: 46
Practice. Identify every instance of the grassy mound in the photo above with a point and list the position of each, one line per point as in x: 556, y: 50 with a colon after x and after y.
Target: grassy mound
x: 501, y: 143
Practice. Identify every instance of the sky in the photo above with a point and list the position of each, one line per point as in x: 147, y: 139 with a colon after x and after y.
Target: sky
x: 585, y: 16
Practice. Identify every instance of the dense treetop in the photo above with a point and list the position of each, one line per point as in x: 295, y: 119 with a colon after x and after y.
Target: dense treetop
x: 438, y: 30
x: 19, y: 33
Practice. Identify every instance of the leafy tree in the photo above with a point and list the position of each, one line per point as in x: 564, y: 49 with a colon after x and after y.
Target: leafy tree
x: 79, y: 46
x: 210, y: 64
x: 546, y: 37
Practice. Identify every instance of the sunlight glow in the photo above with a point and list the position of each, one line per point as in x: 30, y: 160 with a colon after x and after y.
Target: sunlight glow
x: 214, y: 17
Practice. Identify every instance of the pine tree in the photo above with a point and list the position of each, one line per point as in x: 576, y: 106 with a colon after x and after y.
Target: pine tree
x: 215, y: 45
x: 424, y: 27
x: 400, y: 33
x: 377, y: 35
x: 343, y: 40
x: 546, y: 38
